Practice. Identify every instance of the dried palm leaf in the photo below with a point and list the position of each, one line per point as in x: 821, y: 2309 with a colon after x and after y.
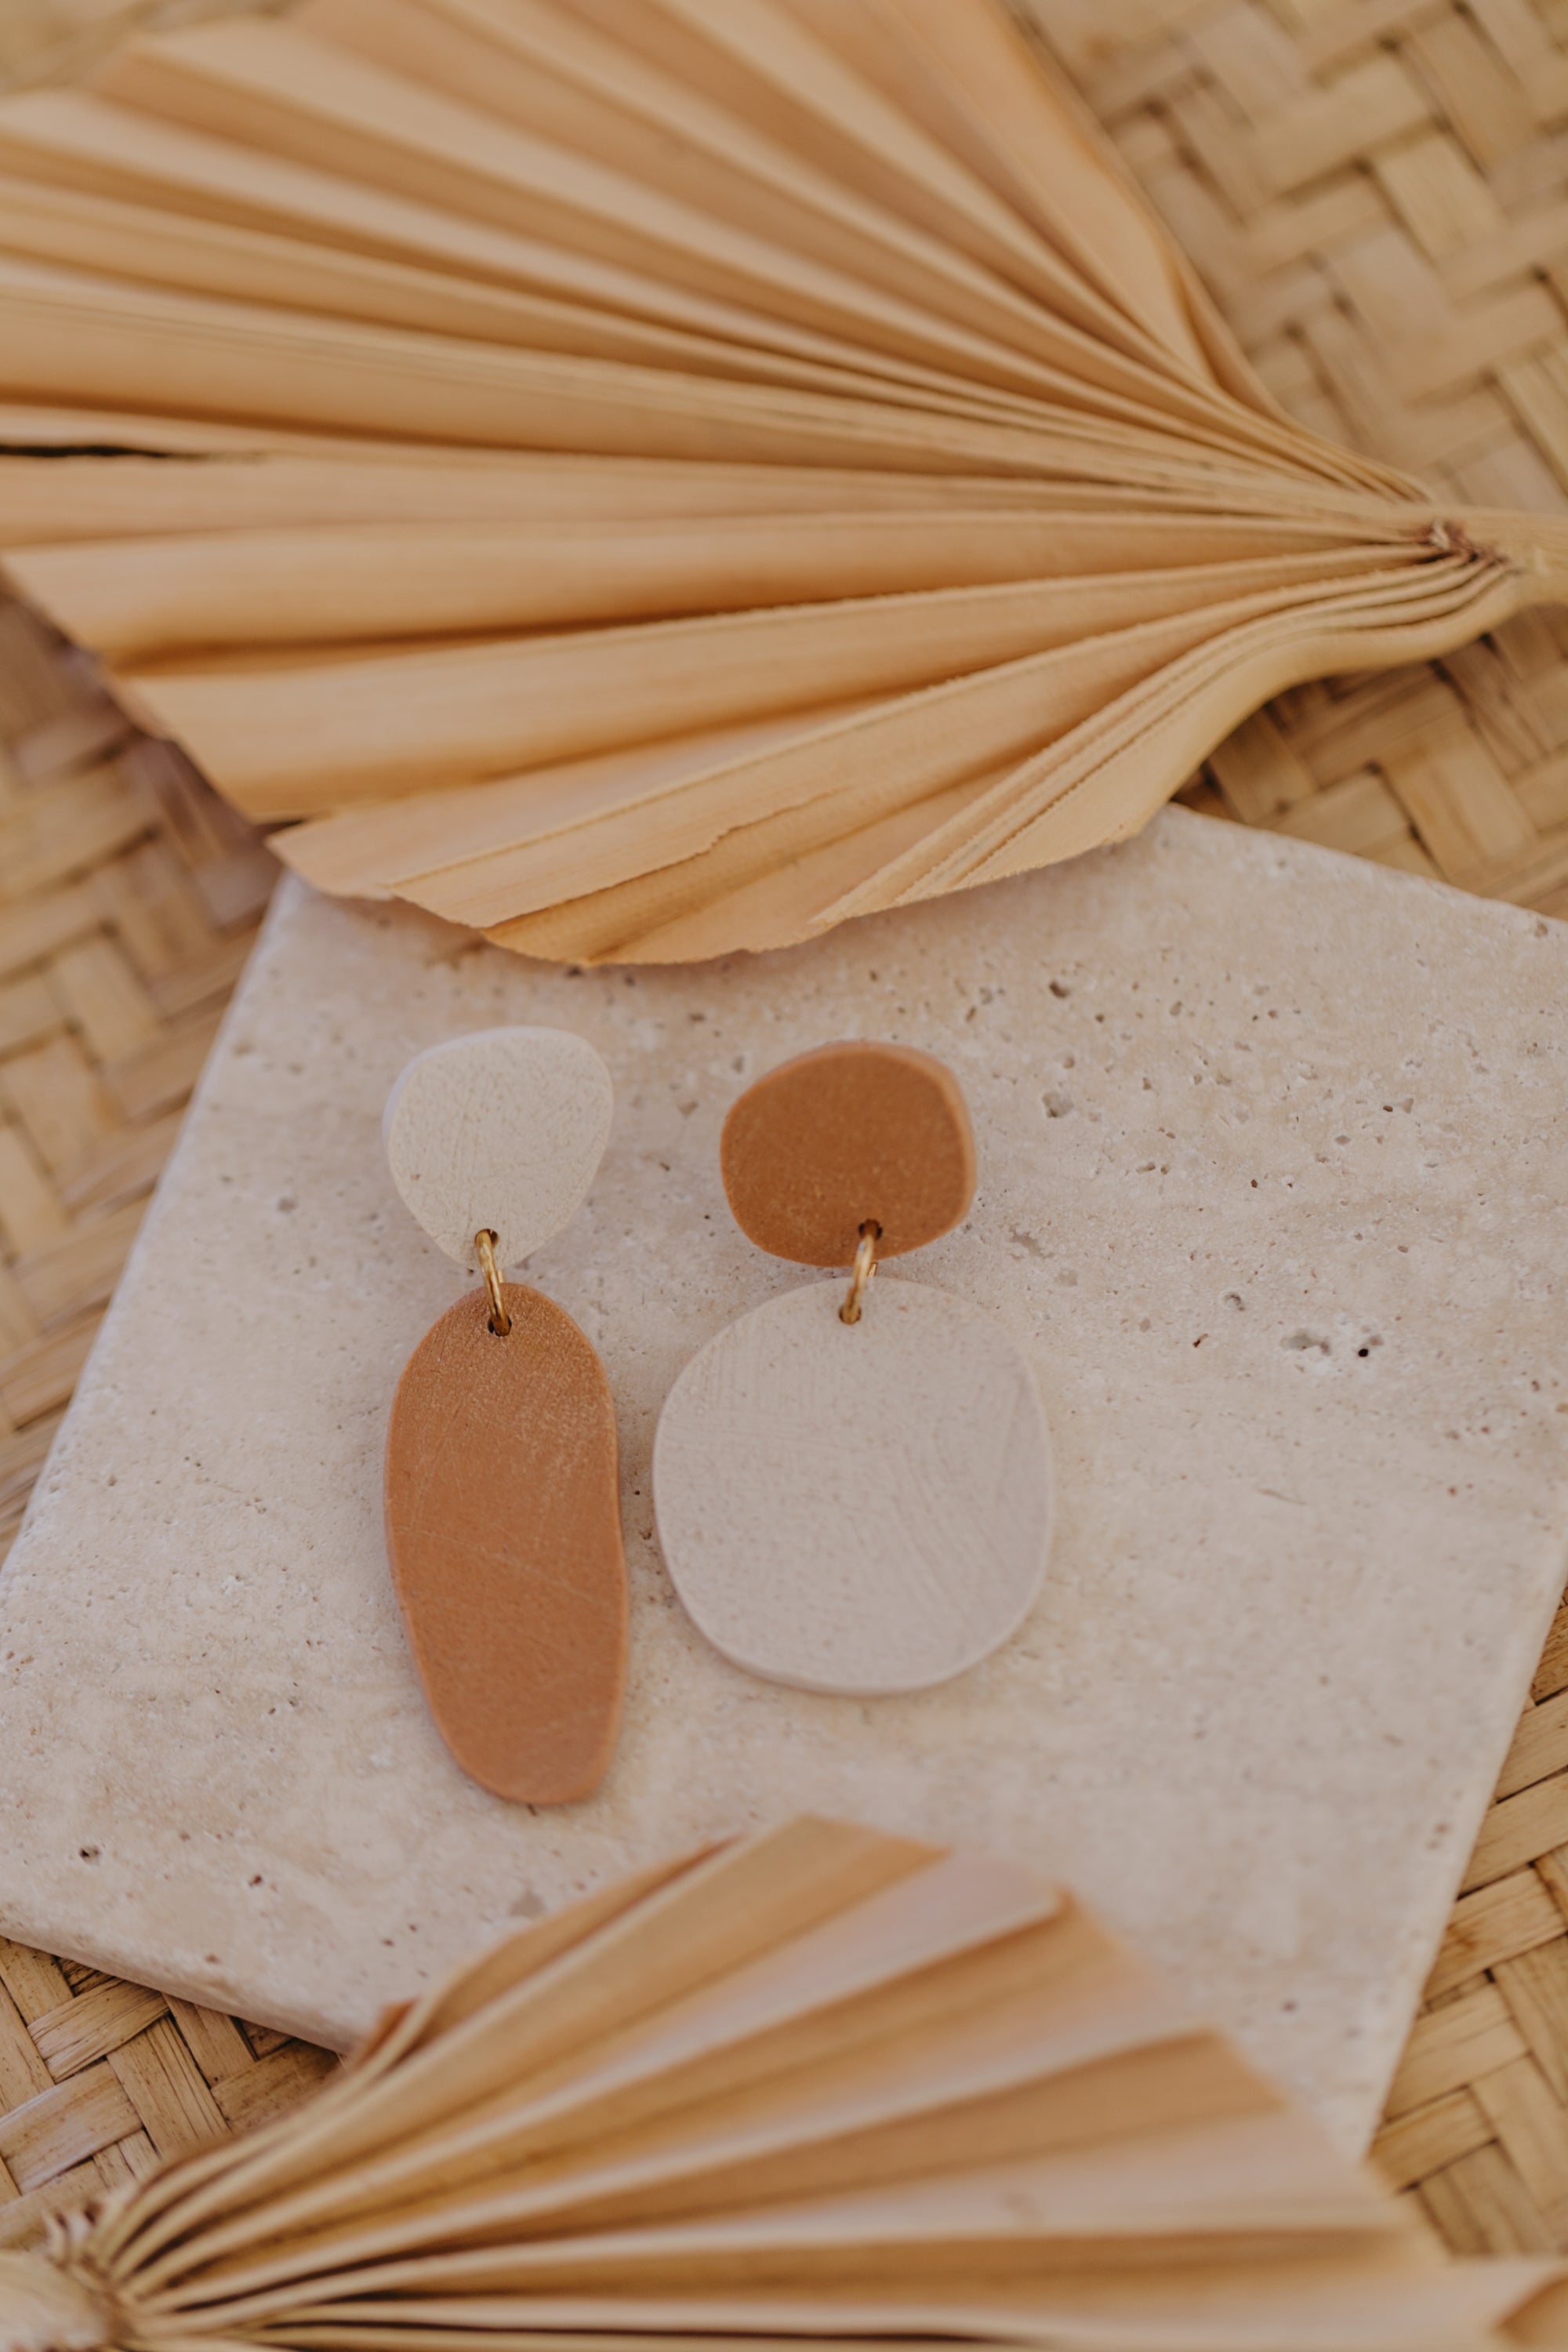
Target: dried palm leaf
x: 648, y: 478
x: 821, y: 2085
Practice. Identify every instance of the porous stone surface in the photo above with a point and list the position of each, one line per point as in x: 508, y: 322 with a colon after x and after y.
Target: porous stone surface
x: 1271, y: 1189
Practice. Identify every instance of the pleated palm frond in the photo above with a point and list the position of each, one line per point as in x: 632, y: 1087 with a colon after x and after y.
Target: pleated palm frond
x: 648, y: 478
x: 822, y: 2085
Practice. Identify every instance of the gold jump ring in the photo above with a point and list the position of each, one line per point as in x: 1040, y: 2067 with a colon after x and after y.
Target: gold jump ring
x: 485, y: 1242
x: 865, y: 1268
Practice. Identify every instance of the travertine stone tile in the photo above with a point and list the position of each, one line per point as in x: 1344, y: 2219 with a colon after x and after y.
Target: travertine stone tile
x: 1272, y: 1187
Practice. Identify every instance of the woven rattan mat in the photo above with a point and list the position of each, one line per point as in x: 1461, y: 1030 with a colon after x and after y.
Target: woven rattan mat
x: 1377, y: 190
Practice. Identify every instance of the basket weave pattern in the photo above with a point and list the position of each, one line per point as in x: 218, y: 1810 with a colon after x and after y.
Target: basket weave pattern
x: 129, y: 897
x: 1377, y: 191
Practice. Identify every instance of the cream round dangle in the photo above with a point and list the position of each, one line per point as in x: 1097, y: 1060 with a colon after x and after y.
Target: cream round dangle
x: 858, y: 1508
x: 853, y: 1488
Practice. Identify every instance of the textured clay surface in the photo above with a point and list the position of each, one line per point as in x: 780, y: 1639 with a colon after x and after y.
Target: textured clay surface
x: 501, y: 1130
x: 503, y: 1528
x: 860, y: 1509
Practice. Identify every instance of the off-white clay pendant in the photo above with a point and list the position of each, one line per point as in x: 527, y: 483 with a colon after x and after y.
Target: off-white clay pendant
x: 502, y: 1495
x: 854, y: 1492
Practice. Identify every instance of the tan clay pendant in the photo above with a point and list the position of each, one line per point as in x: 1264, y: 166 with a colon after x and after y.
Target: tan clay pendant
x: 503, y: 1527
x: 503, y: 1494
x: 854, y: 1494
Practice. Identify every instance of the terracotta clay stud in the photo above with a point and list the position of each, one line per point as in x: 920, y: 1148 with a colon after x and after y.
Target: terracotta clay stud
x: 503, y: 1495
x: 850, y: 1132
x: 854, y: 1492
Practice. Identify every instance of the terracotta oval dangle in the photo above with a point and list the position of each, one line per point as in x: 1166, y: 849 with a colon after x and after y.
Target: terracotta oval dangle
x: 503, y: 1530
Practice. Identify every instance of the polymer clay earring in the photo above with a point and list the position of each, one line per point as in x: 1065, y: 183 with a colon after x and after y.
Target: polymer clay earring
x: 504, y: 1525
x: 854, y: 1492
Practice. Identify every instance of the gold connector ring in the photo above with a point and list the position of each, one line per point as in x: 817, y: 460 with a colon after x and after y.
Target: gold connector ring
x: 485, y: 1242
x: 865, y: 1268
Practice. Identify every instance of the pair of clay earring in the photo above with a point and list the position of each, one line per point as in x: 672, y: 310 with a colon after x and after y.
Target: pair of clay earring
x: 852, y: 1487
